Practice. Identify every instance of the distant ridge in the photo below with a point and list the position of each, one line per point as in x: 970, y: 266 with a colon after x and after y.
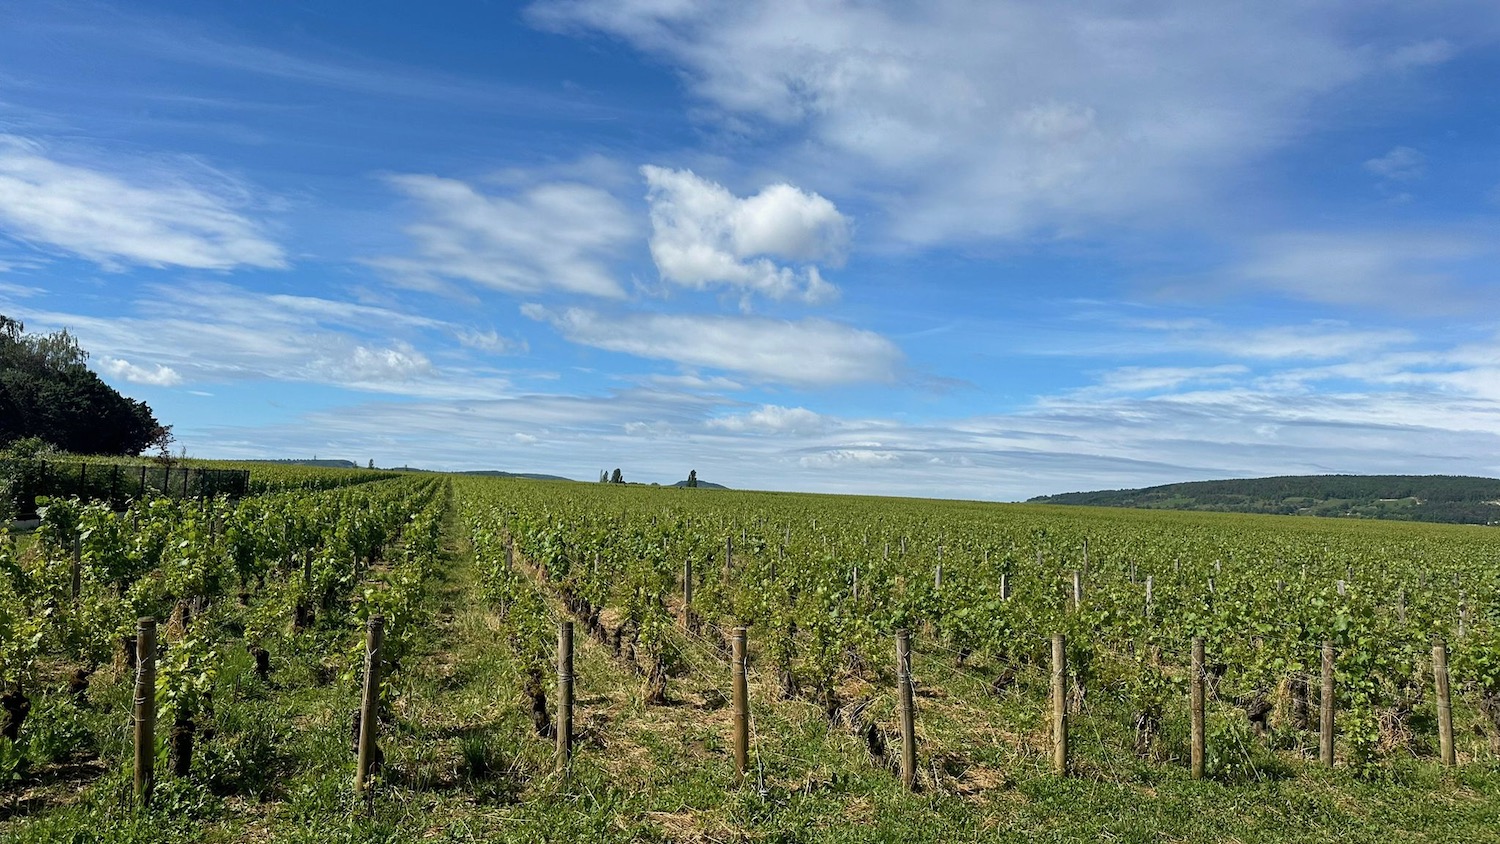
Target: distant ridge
x: 702, y: 484
x: 496, y: 473
x: 1421, y: 498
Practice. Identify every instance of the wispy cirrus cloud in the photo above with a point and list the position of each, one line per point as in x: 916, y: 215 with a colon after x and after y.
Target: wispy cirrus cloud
x: 553, y: 236
x: 1400, y: 164
x: 160, y: 219
x: 1012, y: 118
x: 772, y: 419
x: 1407, y: 271
x: 204, y: 333
x: 810, y: 352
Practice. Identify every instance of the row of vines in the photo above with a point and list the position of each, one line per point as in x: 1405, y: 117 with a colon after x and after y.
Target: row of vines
x: 822, y: 584
x: 238, y: 587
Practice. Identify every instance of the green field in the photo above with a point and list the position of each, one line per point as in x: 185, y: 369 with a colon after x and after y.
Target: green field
x: 473, y: 575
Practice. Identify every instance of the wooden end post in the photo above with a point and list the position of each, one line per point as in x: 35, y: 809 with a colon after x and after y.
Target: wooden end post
x: 145, y: 709
x: 369, y: 707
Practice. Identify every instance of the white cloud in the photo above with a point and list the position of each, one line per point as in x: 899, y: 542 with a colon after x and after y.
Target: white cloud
x: 1401, y: 164
x: 702, y: 235
x: 810, y: 352
x: 550, y: 236
x: 695, y: 382
x: 490, y: 341
x: 1007, y: 118
x: 1401, y: 413
x: 1422, y: 53
x: 399, y: 362
x: 772, y: 419
x: 1405, y: 271
x: 165, y: 219
x: 208, y: 333
x: 1152, y: 379
x: 158, y: 376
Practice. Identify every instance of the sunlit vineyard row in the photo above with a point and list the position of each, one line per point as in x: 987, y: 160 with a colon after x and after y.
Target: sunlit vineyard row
x: 822, y: 583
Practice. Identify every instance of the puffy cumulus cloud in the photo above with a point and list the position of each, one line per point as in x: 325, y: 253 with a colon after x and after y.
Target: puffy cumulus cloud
x: 1009, y: 117
x: 490, y: 341
x: 1400, y: 164
x: 811, y: 352
x: 772, y: 419
x: 551, y: 236
x: 703, y: 236
x: 400, y: 362
x: 161, y: 219
x: 155, y: 376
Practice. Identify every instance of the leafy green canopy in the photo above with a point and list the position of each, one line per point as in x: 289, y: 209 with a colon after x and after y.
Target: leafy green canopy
x: 47, y: 391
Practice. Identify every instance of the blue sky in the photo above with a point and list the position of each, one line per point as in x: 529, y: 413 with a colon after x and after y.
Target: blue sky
x: 986, y: 250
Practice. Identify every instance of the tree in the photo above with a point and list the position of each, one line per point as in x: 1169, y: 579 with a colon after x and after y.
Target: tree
x: 47, y: 391
x: 603, y: 476
x: 616, y: 478
x: 693, y: 478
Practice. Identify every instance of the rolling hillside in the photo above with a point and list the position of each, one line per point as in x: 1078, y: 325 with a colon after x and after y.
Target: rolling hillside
x: 1423, y: 498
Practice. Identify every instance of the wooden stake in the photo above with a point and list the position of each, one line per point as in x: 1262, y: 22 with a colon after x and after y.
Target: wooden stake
x: 1004, y: 586
x: 564, y: 694
x: 1150, y: 582
x: 1325, y: 709
x: 77, y: 567
x: 741, y: 705
x: 145, y: 709
x: 908, y: 710
x: 687, y: 586
x: 369, y: 707
x: 1077, y: 589
x: 1059, y: 705
x: 1444, y: 702
x: 1198, y: 731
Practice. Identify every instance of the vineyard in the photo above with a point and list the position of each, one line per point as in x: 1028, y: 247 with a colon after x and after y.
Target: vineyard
x: 393, y: 659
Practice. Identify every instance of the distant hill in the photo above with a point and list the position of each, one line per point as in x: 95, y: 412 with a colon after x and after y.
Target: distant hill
x: 496, y: 473
x: 702, y: 484
x: 1422, y: 498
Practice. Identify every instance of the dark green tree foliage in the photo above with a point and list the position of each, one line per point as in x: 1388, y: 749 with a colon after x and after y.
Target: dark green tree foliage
x: 616, y: 478
x: 693, y: 478
x: 48, y: 391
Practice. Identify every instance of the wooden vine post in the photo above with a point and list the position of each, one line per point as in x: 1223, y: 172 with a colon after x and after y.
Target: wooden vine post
x: 1059, y: 705
x: 145, y: 709
x: 741, y: 705
x: 687, y: 587
x: 77, y: 572
x: 908, y: 710
x: 1198, y: 731
x: 1325, y: 709
x: 564, y: 694
x: 1444, y: 703
x: 369, y: 707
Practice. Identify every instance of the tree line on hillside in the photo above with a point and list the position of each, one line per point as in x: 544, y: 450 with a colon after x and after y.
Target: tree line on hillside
x: 1427, y: 498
